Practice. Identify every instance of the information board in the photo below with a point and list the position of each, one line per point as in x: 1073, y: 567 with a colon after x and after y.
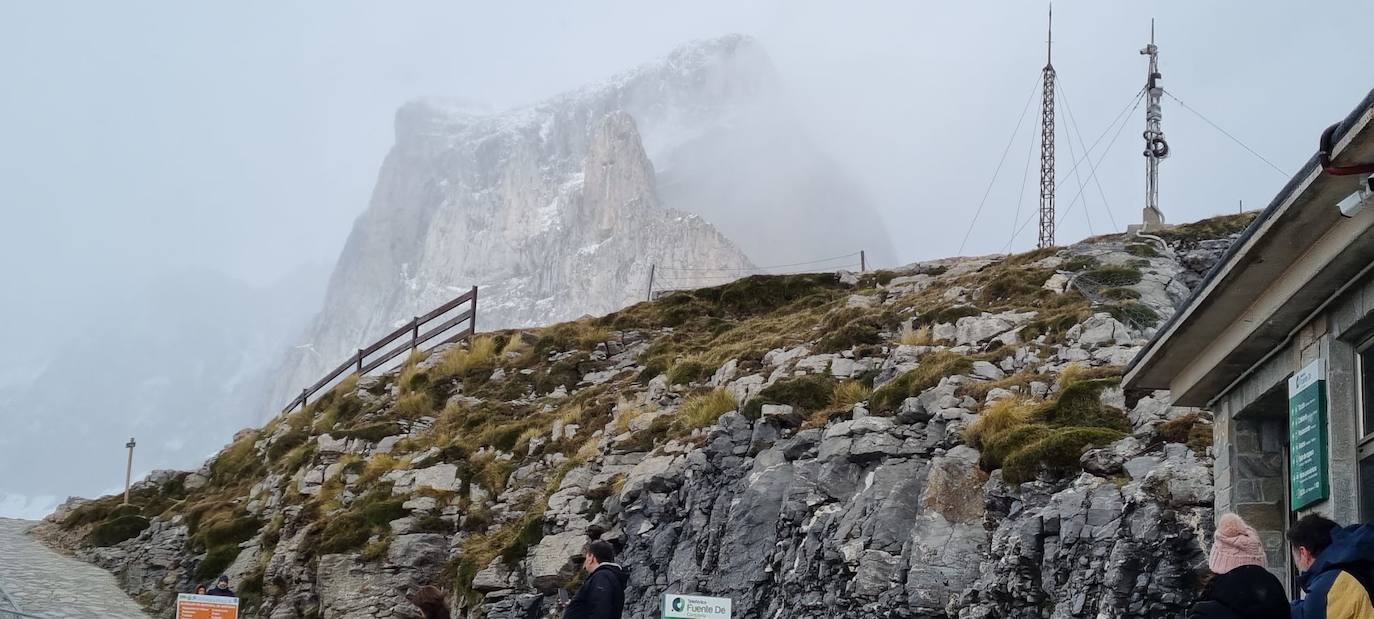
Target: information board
x: 678, y: 606
x: 191, y: 606
x: 1308, y: 475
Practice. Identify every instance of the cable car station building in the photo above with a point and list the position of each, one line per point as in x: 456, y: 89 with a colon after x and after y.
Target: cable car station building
x: 1278, y: 342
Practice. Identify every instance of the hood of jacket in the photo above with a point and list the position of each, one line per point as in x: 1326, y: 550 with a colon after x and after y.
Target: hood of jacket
x: 1350, y: 546
x: 619, y: 571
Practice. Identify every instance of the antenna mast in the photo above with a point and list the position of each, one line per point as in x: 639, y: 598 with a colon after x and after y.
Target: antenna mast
x: 1155, y: 146
x: 1047, y: 142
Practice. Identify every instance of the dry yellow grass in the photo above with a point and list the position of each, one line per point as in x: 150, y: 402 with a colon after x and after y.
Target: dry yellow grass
x: 589, y: 449
x: 413, y: 405
x: 517, y: 352
x: 456, y: 361
x: 623, y: 419
x: 702, y: 410
x: 522, y: 443
x: 915, y: 337
x: 409, y: 370
x: 1071, y: 374
x: 849, y: 393
x: 997, y: 417
x: 377, y: 466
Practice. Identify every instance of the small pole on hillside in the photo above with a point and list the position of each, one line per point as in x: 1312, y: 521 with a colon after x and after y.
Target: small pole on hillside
x: 1240, y: 207
x: 863, y: 264
x: 129, y: 471
x: 649, y: 296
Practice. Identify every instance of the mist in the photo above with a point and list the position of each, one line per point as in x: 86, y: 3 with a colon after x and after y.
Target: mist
x: 145, y: 142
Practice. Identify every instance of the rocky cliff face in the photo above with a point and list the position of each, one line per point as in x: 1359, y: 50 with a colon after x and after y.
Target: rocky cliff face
x: 538, y: 206
x: 944, y: 440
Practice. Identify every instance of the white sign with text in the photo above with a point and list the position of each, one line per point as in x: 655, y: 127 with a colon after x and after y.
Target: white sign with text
x: 678, y: 606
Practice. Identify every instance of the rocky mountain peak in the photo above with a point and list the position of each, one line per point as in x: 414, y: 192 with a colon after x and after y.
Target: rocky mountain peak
x: 618, y: 178
x: 698, y: 149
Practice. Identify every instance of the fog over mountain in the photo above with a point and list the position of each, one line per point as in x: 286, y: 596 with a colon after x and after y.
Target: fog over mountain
x: 517, y: 203
x: 180, y: 364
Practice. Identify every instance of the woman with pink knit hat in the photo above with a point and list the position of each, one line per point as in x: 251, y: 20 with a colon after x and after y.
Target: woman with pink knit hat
x: 1240, y: 586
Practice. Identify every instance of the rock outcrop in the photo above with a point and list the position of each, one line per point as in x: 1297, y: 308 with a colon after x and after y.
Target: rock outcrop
x: 945, y: 440
x: 554, y: 212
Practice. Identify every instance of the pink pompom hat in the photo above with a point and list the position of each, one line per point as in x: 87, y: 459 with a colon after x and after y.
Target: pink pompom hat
x: 1234, y: 545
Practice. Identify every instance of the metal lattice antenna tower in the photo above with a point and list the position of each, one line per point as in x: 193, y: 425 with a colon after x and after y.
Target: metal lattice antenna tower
x: 1047, y: 143
x: 1155, y: 146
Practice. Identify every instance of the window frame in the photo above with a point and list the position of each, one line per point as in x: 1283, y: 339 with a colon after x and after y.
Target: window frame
x: 1362, y: 404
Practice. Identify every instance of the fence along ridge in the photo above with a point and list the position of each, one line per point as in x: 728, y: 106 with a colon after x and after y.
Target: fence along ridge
x: 359, y: 364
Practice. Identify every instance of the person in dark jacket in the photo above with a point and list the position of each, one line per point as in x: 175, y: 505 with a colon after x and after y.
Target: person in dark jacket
x: 602, y: 595
x: 1337, y: 568
x: 221, y: 588
x: 1240, y: 586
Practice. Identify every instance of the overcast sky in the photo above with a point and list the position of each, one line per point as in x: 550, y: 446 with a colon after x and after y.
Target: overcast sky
x: 140, y: 138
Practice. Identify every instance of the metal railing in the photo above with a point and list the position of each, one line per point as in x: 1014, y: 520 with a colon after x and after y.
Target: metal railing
x: 1093, y: 290
x: 360, y: 364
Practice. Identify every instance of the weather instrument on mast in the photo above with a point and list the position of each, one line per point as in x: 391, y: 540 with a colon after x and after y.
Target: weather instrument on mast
x: 1156, y: 149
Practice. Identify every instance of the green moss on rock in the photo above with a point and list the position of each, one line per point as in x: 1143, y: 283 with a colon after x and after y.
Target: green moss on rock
x: 1113, y: 276
x: 118, y: 529
x: 808, y: 393
x: 1056, y: 452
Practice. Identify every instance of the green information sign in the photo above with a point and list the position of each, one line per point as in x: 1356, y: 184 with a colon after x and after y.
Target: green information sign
x: 1308, y: 477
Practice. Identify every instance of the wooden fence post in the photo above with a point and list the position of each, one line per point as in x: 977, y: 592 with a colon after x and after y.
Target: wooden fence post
x: 472, y: 322
x: 650, y: 295
x: 414, y: 333
x: 863, y: 264
x: 360, y: 361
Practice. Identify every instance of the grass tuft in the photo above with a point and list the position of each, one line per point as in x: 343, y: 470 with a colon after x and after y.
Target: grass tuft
x: 1190, y: 429
x: 848, y: 393
x: 808, y: 393
x: 1213, y: 228
x: 1113, y: 276
x: 1023, y: 439
x: 1056, y: 452
x: 480, y: 352
x: 927, y: 374
x: 702, y: 410
x: 916, y: 336
x: 689, y: 370
x: 998, y: 417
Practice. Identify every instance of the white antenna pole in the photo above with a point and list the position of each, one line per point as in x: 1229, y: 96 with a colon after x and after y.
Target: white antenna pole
x: 1155, y: 146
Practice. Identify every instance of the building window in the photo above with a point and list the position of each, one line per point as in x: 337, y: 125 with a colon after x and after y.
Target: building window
x: 1366, y: 492
x: 1367, y: 389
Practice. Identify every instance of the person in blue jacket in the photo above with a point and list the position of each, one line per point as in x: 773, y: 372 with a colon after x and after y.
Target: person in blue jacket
x: 1337, y: 569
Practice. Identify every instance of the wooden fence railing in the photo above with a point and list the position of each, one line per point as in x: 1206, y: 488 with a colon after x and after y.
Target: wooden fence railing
x: 361, y: 364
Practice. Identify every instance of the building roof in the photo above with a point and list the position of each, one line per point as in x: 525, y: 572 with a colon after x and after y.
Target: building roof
x: 1294, y: 256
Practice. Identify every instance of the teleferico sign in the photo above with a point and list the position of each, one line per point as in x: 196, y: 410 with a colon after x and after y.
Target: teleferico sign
x: 678, y: 606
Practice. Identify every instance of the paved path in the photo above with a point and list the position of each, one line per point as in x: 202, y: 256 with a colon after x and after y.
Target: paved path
x: 51, y: 585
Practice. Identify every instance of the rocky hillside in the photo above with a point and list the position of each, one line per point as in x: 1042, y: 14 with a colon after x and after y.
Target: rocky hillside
x: 944, y: 440
x: 556, y: 214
